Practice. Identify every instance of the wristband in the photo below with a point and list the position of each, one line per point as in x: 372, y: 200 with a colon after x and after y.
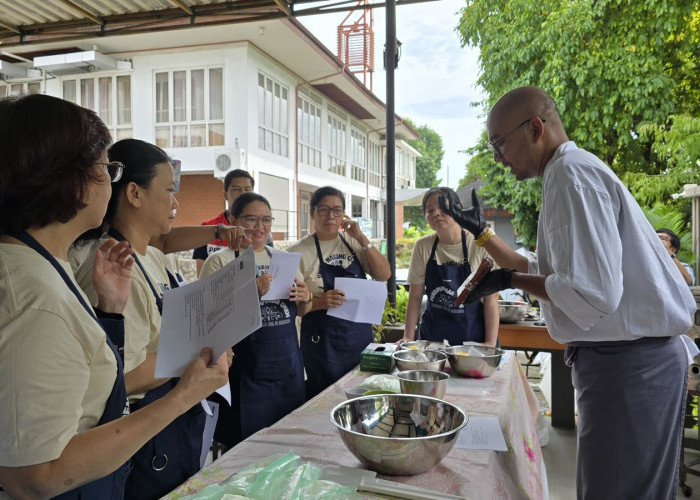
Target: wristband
x: 311, y: 297
x: 217, y: 232
x: 485, y: 236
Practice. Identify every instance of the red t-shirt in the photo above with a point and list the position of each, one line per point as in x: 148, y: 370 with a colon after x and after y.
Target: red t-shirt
x: 204, y: 251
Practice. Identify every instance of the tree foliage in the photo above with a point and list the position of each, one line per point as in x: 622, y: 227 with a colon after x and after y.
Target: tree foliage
x: 618, y: 69
x: 429, y: 145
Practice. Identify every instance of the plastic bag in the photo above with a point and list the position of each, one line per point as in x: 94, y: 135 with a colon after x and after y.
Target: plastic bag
x: 382, y: 382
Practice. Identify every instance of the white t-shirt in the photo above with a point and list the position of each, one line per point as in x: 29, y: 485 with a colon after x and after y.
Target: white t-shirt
x: 609, y: 276
x: 141, y: 316
x: 56, y: 368
x: 334, y: 252
x: 444, y: 254
x: 220, y: 258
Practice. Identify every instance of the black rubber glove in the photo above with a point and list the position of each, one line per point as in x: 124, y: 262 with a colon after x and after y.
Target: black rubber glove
x: 495, y: 281
x: 472, y: 219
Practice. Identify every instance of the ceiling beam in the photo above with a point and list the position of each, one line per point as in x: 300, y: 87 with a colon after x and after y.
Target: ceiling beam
x: 86, y: 13
x: 184, y: 7
x: 283, y: 6
x: 14, y: 29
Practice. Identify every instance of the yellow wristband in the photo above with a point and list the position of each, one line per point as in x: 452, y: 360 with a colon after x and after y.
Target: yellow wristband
x: 311, y: 297
x: 485, y: 236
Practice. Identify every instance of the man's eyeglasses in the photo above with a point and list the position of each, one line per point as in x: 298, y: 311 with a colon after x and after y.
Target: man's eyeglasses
x: 114, y: 169
x: 237, y: 189
x: 663, y: 237
x: 495, y: 146
x: 325, y: 210
x: 252, y: 220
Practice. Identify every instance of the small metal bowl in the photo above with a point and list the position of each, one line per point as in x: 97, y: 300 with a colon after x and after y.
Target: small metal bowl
x: 474, y: 366
x: 511, y: 312
x: 400, y: 434
x: 407, y: 359
x: 423, y: 382
x: 423, y: 345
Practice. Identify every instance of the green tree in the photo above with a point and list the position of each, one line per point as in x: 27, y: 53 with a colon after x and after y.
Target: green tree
x: 429, y: 145
x: 612, y: 66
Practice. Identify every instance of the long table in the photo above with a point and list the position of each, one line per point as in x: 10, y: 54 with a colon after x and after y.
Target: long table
x: 524, y: 335
x: 475, y: 474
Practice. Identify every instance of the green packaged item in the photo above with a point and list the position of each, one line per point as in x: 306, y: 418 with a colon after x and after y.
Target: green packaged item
x: 377, y: 358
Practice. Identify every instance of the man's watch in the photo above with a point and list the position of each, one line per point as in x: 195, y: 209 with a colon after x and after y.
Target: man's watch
x: 368, y: 246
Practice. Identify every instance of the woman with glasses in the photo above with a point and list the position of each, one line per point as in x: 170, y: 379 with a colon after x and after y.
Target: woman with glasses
x: 267, y: 380
x: 331, y: 346
x: 66, y: 428
x: 440, y: 263
x: 141, y: 207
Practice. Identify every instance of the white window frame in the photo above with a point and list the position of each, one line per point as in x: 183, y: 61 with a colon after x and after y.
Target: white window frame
x: 26, y: 88
x: 180, y: 133
x: 273, y: 116
x: 310, y: 126
x: 358, y: 155
x: 337, y: 136
x: 118, y: 130
x: 376, y: 162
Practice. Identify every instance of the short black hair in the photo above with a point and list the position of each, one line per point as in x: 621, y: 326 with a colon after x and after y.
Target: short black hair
x: 675, y: 240
x: 450, y: 193
x: 246, y: 199
x: 48, y: 151
x: 237, y: 173
x: 324, y: 191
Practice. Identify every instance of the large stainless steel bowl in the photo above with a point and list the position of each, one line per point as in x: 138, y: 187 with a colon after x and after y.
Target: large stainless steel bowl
x: 511, y: 312
x: 407, y: 359
x: 423, y: 382
x: 474, y: 366
x: 400, y: 434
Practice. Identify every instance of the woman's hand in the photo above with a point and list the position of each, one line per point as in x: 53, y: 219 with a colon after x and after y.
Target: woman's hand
x: 352, y: 228
x: 330, y: 299
x: 235, y: 237
x: 263, y: 281
x: 203, y: 376
x: 111, y: 275
x: 299, y: 292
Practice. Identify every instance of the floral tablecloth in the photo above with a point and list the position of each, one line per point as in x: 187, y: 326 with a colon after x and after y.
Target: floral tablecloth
x: 474, y: 474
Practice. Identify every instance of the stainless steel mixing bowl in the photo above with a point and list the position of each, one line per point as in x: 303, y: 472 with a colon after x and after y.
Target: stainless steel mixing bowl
x: 423, y: 382
x: 400, y: 434
x: 474, y: 366
x: 511, y: 312
x: 407, y: 359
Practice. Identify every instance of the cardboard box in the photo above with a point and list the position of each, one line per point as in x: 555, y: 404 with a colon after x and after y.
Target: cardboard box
x: 377, y: 358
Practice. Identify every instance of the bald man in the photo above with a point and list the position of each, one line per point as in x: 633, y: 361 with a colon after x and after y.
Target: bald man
x: 608, y: 291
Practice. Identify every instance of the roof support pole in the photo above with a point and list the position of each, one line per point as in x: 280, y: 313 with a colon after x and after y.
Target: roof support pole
x: 390, y: 65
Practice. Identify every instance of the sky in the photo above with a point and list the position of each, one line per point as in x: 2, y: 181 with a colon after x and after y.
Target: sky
x: 435, y: 82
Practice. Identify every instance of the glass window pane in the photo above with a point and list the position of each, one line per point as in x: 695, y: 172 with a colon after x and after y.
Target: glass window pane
x: 198, y: 135
x: 105, y: 100
x: 197, y: 95
x: 124, y: 100
x: 16, y: 89
x: 276, y: 108
x: 216, y: 134
x: 216, y: 94
x: 162, y: 100
x: 87, y: 93
x: 163, y: 137
x: 34, y: 88
x: 261, y: 138
x: 261, y: 99
x: 180, y: 136
x: 268, y: 104
x: 284, y: 112
x: 3, y: 91
x: 69, y: 91
x: 125, y: 133
x: 179, y: 97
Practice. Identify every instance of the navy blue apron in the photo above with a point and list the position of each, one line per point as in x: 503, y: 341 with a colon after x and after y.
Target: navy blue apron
x: 331, y: 346
x: 110, y: 487
x: 267, y: 376
x: 441, y: 320
x: 171, y: 457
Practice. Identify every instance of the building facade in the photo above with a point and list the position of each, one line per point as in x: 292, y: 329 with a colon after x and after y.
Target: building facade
x: 266, y: 97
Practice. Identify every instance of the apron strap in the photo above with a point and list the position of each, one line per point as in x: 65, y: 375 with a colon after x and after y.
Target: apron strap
x: 465, y: 253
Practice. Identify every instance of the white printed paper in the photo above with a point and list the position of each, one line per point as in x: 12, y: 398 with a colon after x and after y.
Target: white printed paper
x: 217, y: 311
x: 283, y: 268
x: 482, y: 433
x: 365, y: 300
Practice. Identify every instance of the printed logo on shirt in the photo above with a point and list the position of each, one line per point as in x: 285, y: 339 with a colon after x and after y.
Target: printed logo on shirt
x: 442, y: 298
x: 340, y: 259
x: 275, y: 313
x: 213, y: 248
x: 127, y: 408
x: 163, y: 287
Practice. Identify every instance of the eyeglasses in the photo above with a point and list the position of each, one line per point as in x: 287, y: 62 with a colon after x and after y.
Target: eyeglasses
x: 252, y: 220
x: 663, y: 237
x: 237, y: 189
x: 325, y: 210
x: 495, y: 146
x: 114, y: 169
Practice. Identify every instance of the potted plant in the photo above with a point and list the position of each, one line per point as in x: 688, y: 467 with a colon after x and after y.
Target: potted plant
x: 393, y: 319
